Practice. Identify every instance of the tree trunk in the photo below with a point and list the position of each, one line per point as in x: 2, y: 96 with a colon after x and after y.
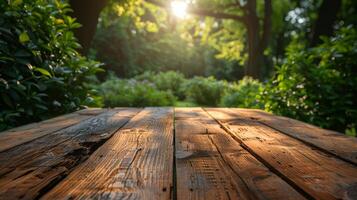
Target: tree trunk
x: 87, y: 13
x: 255, y: 56
x: 327, y: 16
x: 257, y: 42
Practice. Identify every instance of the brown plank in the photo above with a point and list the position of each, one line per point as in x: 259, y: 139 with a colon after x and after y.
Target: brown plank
x: 93, y: 111
x: 20, y: 135
x: 317, y: 174
x: 136, y: 163
x: 210, y: 164
x: 338, y: 144
x: 30, y: 169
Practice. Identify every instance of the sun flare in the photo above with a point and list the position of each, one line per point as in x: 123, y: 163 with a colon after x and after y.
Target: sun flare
x: 179, y: 8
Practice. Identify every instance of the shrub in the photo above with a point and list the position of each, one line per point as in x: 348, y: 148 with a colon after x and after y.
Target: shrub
x: 41, y: 72
x: 205, y: 91
x: 244, y: 94
x: 130, y: 92
x: 170, y: 81
x: 318, y: 85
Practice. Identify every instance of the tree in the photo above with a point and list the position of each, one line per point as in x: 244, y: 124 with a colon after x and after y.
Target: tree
x: 327, y: 15
x: 86, y: 12
x: 258, y: 34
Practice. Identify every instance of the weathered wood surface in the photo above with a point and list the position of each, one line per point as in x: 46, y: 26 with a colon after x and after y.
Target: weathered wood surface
x: 136, y: 163
x: 318, y: 174
x: 176, y: 153
x: 27, y: 170
x: 212, y: 165
x: 17, y: 136
x: 326, y: 140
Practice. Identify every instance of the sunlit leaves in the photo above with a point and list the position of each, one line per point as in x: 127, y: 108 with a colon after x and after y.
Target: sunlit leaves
x: 151, y: 27
x: 24, y: 37
x: 227, y: 37
x: 42, y: 71
x: 15, y: 2
x: 318, y: 85
x: 119, y: 10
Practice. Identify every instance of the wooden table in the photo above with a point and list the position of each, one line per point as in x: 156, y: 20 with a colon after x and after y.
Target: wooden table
x: 176, y: 153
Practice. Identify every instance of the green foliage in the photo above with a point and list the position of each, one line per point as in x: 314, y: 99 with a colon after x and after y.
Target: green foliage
x: 131, y: 92
x: 41, y: 72
x: 244, y: 94
x: 205, y: 91
x: 164, y: 88
x: 318, y: 85
x: 170, y: 81
x: 134, y: 38
x: 351, y: 132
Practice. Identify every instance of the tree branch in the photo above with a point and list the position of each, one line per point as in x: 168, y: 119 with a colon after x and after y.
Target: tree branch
x: 202, y: 12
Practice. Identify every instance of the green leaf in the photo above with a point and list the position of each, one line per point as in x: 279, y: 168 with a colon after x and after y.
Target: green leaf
x: 24, y: 37
x: 42, y: 71
x: 42, y: 107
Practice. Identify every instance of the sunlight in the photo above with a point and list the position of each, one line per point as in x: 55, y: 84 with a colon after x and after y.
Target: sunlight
x: 179, y: 9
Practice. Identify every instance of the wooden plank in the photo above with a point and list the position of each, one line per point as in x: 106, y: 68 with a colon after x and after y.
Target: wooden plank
x: 29, y: 170
x: 94, y: 111
x: 317, y: 174
x: 210, y: 164
x: 136, y: 163
x: 20, y: 135
x: 338, y: 144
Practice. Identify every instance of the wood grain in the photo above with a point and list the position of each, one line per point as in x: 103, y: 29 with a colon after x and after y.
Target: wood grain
x: 317, y: 174
x: 136, y: 163
x: 210, y: 164
x: 29, y: 170
x: 337, y: 144
x: 20, y: 135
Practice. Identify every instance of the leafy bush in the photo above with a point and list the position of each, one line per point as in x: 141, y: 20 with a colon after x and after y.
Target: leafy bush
x: 205, y: 91
x: 130, y: 92
x: 244, y: 94
x: 318, y: 85
x: 166, y: 81
x: 41, y: 72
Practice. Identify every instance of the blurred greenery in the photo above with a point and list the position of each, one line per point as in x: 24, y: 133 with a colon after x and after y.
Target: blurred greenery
x: 244, y: 94
x: 149, y: 57
x: 173, y: 88
x: 131, y: 92
x: 133, y: 38
x: 206, y: 91
x: 169, y: 81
